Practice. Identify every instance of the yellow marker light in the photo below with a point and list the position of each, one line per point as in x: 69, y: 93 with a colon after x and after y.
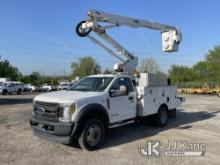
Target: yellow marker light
x: 72, y: 109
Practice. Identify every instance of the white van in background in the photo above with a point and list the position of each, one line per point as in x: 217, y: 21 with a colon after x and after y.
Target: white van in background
x: 10, y: 87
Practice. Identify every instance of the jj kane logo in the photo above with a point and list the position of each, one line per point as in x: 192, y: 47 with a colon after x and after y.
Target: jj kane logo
x: 173, y: 148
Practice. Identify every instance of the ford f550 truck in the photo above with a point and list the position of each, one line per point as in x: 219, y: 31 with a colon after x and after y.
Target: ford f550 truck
x: 96, y: 103
x: 88, y: 108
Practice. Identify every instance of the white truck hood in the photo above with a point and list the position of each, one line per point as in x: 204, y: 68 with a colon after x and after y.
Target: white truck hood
x: 66, y: 97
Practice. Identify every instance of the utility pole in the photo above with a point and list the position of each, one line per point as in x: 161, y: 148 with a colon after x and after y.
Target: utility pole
x: 43, y: 72
x: 64, y: 72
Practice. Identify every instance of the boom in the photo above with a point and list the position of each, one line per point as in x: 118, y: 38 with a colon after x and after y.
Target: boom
x: 171, y: 36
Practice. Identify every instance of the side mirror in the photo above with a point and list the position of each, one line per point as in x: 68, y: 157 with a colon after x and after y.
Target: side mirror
x: 121, y: 92
x: 112, y: 92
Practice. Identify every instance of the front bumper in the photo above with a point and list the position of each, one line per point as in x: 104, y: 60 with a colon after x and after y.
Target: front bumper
x: 60, y: 132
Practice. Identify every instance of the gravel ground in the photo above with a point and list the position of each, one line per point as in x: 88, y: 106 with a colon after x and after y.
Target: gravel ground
x: 198, y: 121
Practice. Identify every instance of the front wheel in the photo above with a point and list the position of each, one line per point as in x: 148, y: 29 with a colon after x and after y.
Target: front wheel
x: 5, y: 92
x: 92, y: 135
x: 161, y: 117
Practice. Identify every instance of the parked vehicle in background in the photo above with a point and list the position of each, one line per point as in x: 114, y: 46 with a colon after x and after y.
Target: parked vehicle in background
x: 29, y: 87
x: 63, y: 85
x: 73, y: 82
x: 46, y: 88
x: 10, y: 87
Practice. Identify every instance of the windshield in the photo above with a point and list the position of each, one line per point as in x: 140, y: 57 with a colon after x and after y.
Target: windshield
x: 2, y: 84
x: 97, y: 84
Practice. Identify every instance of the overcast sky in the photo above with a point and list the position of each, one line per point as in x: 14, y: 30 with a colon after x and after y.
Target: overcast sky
x: 39, y: 35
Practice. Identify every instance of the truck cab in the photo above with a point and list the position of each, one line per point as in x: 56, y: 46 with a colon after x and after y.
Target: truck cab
x: 86, y: 110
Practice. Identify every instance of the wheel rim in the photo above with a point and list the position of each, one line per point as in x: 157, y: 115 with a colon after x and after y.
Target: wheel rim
x: 163, y: 117
x: 93, y: 135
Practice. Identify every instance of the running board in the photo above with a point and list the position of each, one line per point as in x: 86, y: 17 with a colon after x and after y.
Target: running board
x: 121, y: 124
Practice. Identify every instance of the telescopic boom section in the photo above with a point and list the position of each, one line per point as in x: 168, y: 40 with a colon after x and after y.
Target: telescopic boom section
x: 171, y: 36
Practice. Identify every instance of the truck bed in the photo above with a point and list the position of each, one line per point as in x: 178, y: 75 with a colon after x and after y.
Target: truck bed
x: 151, y: 98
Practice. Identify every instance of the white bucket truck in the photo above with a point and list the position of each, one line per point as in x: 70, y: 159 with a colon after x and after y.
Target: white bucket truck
x: 98, y: 102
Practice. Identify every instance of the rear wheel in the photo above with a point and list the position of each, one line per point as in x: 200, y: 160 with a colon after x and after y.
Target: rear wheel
x: 92, y: 135
x: 19, y: 91
x: 161, y: 117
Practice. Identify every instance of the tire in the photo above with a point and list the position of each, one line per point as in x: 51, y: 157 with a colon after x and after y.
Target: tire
x: 162, y: 116
x: 5, y: 92
x: 19, y: 91
x: 92, y: 135
x: 82, y: 33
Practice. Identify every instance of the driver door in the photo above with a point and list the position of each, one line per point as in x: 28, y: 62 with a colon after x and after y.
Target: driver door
x: 10, y: 87
x: 122, y: 100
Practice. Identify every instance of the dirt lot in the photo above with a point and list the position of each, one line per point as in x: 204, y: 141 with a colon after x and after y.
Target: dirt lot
x: 198, y: 121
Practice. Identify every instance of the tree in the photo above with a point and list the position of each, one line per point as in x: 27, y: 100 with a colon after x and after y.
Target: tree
x: 201, y: 71
x: 149, y: 65
x: 33, y: 78
x: 213, y: 64
x: 107, y: 71
x: 7, y: 70
x: 85, y: 66
x: 179, y: 73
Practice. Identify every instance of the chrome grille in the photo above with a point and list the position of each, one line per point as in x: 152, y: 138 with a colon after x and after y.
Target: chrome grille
x: 47, y: 111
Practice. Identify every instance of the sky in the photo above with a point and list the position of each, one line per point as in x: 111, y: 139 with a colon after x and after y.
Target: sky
x: 39, y: 35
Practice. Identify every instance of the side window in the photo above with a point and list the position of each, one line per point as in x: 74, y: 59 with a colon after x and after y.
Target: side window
x: 126, y: 85
x: 115, y: 86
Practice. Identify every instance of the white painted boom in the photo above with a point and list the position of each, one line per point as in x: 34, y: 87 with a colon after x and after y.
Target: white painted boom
x: 171, y: 35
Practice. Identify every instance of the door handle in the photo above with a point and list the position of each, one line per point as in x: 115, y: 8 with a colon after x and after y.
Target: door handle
x: 131, y: 98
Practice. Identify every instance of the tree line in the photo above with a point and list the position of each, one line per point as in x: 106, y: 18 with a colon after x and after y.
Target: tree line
x: 83, y: 67
x: 204, y: 71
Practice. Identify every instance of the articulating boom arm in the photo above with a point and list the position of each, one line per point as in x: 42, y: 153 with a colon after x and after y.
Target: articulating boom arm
x: 171, y: 36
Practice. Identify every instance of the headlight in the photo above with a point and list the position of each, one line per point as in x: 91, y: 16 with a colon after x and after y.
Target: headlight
x: 68, y: 111
x: 72, y: 109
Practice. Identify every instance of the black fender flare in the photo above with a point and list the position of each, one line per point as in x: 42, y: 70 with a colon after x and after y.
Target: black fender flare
x: 92, y: 110
x: 163, y: 105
